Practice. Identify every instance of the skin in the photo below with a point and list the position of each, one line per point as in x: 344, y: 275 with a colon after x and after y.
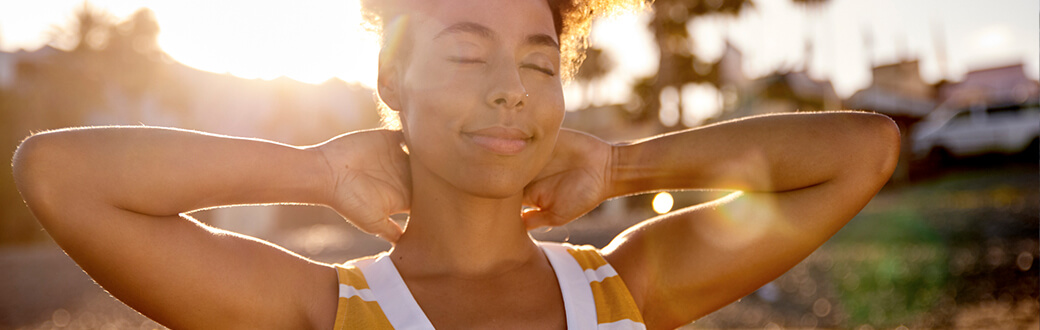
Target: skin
x: 114, y: 198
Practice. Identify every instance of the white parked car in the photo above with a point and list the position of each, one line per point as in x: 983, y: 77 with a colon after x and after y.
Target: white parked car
x: 978, y: 130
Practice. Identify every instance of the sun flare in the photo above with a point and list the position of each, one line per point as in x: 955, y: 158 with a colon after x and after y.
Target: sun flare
x: 309, y: 41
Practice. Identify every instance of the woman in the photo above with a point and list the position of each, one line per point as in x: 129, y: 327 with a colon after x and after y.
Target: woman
x: 477, y: 86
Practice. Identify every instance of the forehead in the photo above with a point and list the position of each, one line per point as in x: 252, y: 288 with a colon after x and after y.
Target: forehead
x: 508, y: 19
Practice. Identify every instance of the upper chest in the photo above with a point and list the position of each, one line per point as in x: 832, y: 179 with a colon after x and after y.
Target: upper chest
x: 528, y: 298
x: 576, y: 289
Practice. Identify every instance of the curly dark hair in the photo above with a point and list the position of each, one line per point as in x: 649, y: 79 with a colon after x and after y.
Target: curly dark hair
x: 572, y: 20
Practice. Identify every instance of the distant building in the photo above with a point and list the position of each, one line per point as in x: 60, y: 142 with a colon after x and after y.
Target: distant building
x: 7, y: 69
x: 777, y: 92
x: 897, y: 90
x: 993, y: 86
x: 12, y: 63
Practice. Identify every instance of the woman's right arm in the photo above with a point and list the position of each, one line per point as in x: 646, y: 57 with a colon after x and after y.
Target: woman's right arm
x: 112, y: 198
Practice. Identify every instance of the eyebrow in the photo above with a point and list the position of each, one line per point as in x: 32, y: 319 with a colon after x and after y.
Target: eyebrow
x: 478, y: 29
x: 542, y: 39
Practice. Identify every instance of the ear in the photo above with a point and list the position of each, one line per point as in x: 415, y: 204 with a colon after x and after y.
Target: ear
x: 388, y: 84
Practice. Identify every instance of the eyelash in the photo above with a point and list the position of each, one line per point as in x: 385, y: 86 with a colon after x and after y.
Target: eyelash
x: 539, y: 69
x: 462, y: 60
x: 466, y: 60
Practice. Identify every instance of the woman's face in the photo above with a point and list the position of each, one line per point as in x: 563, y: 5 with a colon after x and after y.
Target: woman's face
x: 480, y: 97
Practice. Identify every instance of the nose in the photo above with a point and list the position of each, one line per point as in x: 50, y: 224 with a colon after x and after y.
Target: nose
x: 506, y: 88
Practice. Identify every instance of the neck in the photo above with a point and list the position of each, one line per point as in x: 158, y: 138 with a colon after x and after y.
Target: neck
x: 452, y: 232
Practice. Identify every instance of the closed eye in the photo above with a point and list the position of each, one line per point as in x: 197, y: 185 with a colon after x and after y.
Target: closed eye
x: 540, y: 69
x: 466, y: 60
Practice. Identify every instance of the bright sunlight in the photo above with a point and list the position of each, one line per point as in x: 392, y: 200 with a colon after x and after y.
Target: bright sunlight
x: 310, y: 41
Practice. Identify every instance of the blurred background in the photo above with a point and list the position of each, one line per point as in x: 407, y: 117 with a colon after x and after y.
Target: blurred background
x: 950, y: 242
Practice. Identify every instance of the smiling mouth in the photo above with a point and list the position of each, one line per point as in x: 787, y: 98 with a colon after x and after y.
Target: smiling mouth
x: 500, y: 140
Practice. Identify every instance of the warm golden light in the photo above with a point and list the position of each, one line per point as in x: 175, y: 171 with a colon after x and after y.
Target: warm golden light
x: 309, y: 41
x: 663, y: 202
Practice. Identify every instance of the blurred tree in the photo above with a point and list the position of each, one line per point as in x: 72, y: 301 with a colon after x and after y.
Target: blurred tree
x: 678, y: 65
x: 135, y: 37
x: 59, y: 88
x: 597, y: 64
x: 88, y: 30
x: 53, y: 89
x: 133, y: 57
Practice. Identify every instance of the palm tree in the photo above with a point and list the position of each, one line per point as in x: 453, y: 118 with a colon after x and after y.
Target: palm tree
x: 678, y: 65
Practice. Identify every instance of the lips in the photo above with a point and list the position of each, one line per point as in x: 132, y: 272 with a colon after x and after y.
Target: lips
x: 500, y: 140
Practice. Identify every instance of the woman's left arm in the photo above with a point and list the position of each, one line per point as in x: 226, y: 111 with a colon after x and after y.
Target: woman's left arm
x: 801, y: 177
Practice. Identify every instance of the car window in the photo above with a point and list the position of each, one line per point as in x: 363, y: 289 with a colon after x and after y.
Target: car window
x: 1010, y: 109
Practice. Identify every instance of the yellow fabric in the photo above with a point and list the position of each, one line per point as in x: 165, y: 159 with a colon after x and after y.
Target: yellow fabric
x: 587, y: 257
x: 352, y: 276
x: 354, y: 312
x: 613, y: 300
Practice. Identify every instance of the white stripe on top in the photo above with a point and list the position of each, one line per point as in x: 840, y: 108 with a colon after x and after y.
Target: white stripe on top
x: 578, y: 302
x: 346, y: 291
x: 392, y: 293
x: 599, y: 274
x: 625, y: 324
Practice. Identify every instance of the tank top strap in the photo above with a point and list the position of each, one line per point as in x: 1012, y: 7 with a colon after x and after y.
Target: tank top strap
x: 592, y: 289
x: 372, y: 294
x: 365, y: 285
x: 357, y: 303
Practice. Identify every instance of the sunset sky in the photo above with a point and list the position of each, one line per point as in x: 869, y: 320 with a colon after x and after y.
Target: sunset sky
x: 315, y: 40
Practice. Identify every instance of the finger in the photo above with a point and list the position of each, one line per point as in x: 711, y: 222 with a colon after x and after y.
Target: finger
x: 533, y: 196
x: 529, y: 198
x: 535, y: 219
x: 387, y: 229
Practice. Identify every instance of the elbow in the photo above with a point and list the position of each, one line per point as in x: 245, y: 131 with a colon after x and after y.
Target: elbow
x: 35, y: 169
x: 24, y: 165
x: 891, y: 142
x: 881, y: 143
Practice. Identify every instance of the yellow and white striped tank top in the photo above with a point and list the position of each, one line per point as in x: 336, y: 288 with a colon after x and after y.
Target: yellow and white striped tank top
x: 372, y: 294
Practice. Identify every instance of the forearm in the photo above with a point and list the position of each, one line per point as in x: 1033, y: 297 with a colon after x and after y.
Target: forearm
x: 762, y: 154
x: 161, y: 172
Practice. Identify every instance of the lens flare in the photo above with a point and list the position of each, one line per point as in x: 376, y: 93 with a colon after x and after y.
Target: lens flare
x: 745, y: 219
x: 394, y: 34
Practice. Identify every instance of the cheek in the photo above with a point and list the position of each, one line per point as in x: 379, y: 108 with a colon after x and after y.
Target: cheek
x: 431, y: 90
x: 432, y: 104
x: 549, y: 115
x: 548, y: 100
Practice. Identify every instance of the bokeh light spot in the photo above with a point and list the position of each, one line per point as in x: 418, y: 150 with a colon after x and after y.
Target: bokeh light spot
x: 1025, y: 261
x: 663, y: 203
x: 61, y: 317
